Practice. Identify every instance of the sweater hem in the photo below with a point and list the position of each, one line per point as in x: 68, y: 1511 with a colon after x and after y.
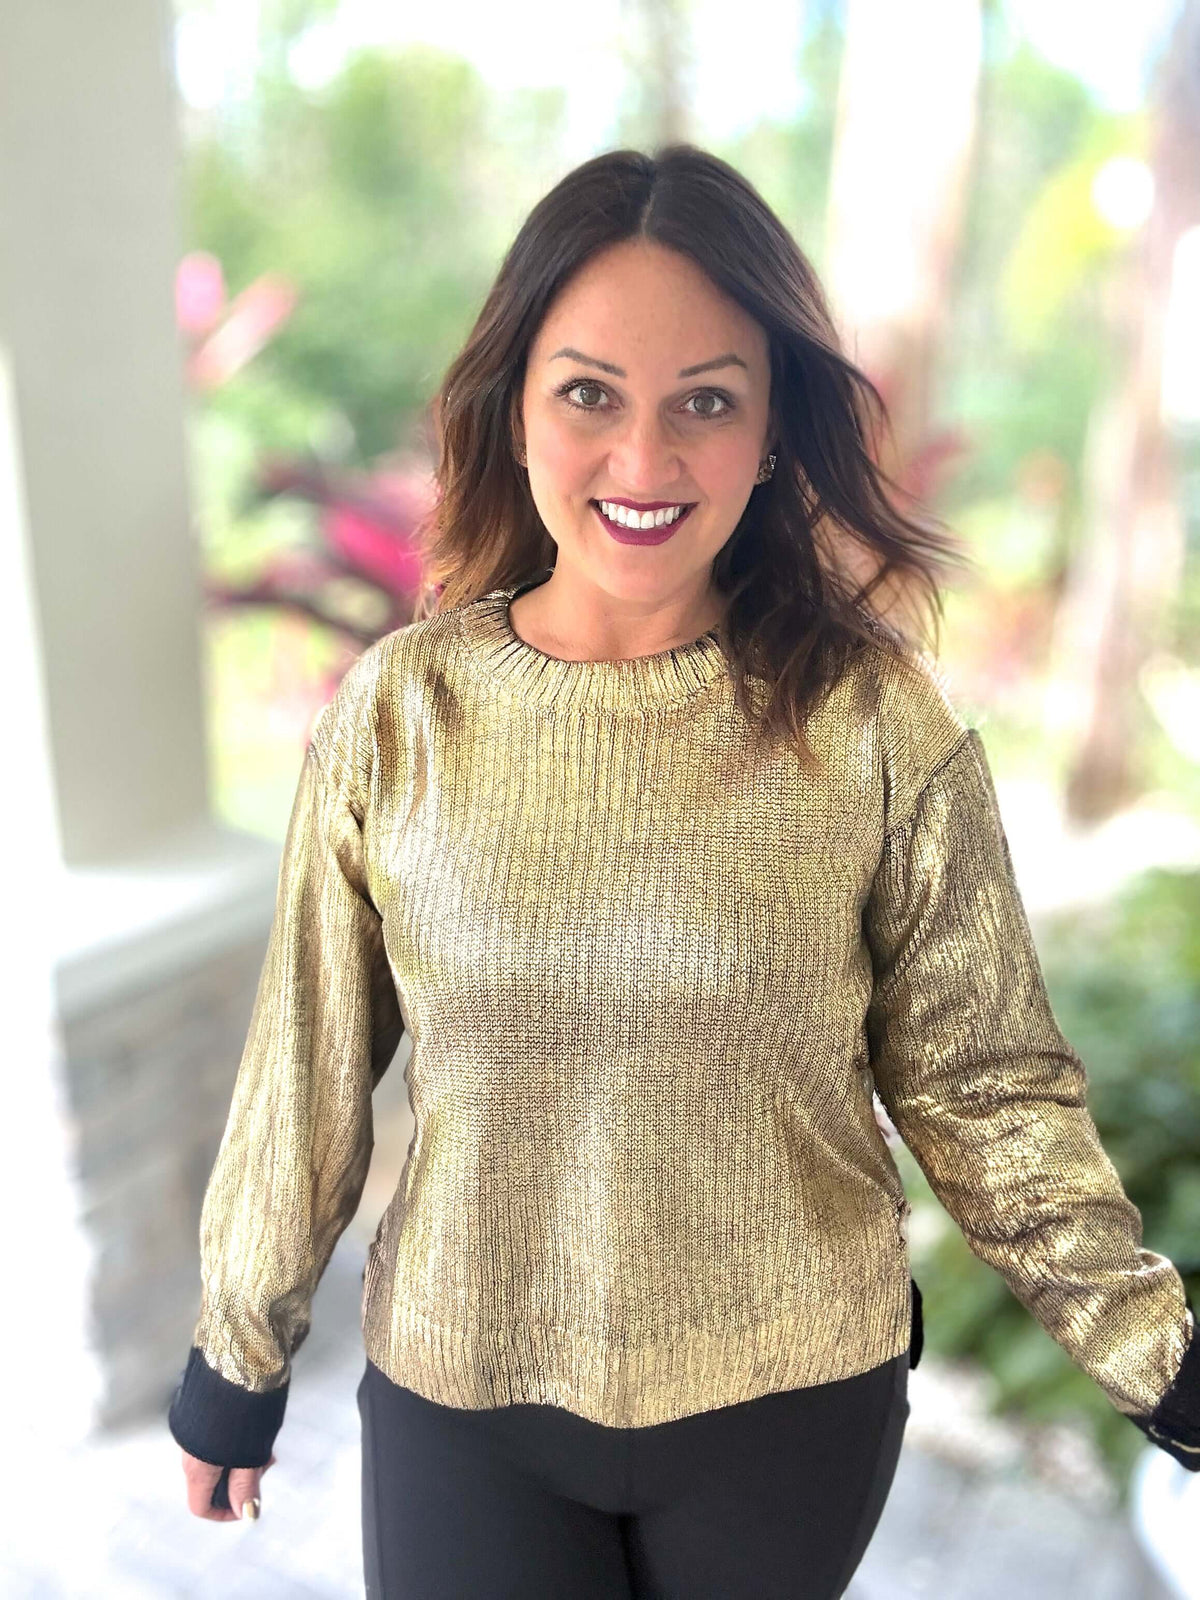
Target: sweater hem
x: 692, y: 1370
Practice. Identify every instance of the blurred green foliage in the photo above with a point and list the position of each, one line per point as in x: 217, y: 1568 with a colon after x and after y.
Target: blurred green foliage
x: 1124, y: 982
x: 386, y: 198
x: 1026, y: 348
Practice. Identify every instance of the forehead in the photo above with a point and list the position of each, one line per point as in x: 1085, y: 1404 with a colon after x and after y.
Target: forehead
x: 638, y: 304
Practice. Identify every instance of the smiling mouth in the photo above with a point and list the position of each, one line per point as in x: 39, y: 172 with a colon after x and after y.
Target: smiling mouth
x: 687, y: 506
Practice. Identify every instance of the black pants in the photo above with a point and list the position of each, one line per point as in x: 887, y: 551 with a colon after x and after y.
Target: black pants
x: 776, y: 1496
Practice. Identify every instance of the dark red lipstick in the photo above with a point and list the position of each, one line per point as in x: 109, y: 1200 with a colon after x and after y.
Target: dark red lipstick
x: 657, y: 535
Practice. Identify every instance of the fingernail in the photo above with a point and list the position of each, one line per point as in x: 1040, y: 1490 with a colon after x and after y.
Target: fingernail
x: 250, y: 1509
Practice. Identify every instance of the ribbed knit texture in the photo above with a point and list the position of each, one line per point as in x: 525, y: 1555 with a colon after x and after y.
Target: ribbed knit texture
x: 650, y: 978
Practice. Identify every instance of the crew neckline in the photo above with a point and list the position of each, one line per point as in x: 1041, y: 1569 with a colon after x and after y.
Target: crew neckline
x: 637, y: 683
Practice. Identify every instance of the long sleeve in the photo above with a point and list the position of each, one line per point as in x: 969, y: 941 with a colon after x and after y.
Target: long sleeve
x: 291, y: 1165
x: 990, y: 1098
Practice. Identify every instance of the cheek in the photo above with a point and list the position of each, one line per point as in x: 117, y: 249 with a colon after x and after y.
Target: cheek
x: 727, y: 462
x: 564, y: 455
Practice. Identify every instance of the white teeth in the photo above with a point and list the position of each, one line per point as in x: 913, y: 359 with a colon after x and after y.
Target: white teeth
x: 643, y: 519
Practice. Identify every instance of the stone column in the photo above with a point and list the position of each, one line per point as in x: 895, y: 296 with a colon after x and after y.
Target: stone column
x: 136, y: 926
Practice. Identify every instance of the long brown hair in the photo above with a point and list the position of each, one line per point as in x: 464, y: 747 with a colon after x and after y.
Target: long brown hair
x: 823, y: 551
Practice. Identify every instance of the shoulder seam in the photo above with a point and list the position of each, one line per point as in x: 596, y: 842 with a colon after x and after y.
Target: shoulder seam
x: 964, y: 738
x: 385, y: 645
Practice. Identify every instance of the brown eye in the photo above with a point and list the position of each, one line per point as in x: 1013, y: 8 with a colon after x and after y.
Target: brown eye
x: 569, y: 389
x: 585, y: 385
x: 711, y: 394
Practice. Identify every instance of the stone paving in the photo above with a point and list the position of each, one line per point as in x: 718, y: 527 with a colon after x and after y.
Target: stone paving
x: 110, y: 1519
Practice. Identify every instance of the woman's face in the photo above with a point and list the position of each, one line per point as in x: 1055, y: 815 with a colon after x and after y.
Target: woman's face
x: 615, y: 408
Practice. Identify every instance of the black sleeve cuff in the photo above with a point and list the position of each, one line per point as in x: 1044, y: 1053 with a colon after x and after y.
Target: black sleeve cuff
x: 220, y: 1422
x: 917, y: 1338
x: 1174, y: 1424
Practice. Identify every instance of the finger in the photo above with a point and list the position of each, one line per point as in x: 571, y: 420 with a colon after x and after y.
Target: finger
x: 202, y: 1480
x: 244, y: 1489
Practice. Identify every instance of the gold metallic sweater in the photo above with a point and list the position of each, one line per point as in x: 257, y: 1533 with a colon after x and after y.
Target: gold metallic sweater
x: 650, y: 980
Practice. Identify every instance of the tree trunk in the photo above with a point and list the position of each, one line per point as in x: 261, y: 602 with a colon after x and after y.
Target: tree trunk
x: 1119, y: 590
x: 656, y: 47
x: 903, y: 145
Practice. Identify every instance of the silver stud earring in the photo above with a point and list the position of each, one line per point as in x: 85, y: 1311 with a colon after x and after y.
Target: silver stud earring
x: 765, y: 469
x: 521, y: 455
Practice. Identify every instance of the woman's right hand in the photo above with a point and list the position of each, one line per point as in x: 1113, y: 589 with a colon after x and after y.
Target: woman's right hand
x: 203, y: 1477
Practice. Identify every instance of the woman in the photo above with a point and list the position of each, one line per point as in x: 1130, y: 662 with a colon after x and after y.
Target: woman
x: 668, y: 849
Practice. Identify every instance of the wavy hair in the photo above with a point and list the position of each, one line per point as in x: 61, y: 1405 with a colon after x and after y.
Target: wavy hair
x: 825, y: 559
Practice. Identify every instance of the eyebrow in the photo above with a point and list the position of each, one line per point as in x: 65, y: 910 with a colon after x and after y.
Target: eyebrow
x: 729, y: 360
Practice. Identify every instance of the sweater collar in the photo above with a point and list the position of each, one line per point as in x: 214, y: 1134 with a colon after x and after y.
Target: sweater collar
x: 639, y: 683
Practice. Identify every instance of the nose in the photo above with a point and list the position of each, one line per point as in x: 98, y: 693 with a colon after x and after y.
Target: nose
x: 644, y: 459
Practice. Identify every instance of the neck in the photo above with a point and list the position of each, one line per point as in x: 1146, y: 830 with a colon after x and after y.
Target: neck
x: 557, y: 617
